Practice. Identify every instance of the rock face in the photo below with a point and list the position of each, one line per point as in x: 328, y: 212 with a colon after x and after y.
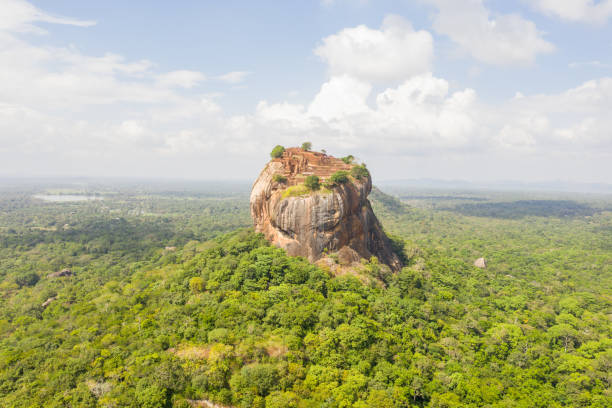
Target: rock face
x: 336, y: 219
x: 480, y: 263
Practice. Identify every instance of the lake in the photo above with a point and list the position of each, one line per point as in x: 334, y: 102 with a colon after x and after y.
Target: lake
x: 65, y: 198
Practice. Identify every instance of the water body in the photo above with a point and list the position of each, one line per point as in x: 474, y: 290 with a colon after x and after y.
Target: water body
x: 66, y: 198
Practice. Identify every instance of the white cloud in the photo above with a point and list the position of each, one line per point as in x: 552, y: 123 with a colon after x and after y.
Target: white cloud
x: 234, y: 77
x: 506, y: 39
x: 18, y: 16
x: 341, y: 96
x: 586, y: 11
x: 589, y: 64
x: 61, y: 106
x: 332, y: 2
x: 394, y: 52
x: 64, y: 110
x: 181, y: 78
x: 422, y: 116
x: 575, y: 120
x: 417, y: 116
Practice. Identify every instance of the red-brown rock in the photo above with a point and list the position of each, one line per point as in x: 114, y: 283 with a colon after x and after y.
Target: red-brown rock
x: 319, y: 222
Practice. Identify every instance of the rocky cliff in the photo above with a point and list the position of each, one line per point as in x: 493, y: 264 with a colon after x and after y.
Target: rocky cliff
x: 335, y: 219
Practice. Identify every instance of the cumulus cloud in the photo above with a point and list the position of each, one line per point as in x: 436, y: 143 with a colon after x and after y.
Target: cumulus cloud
x: 394, y: 52
x: 422, y: 116
x: 108, y: 115
x: 504, y: 39
x: 340, y: 97
x: 573, y: 120
x: 415, y: 117
x: 586, y: 11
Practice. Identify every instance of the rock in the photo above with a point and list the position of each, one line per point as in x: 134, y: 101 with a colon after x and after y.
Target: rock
x: 480, y: 263
x: 48, y: 302
x: 319, y: 222
x: 347, y: 256
x: 61, y: 274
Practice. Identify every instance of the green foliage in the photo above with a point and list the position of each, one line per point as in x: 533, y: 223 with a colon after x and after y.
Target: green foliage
x: 360, y: 172
x: 233, y: 320
x: 348, y: 159
x: 151, y: 396
x: 27, y: 279
x: 312, y: 182
x: 306, y: 146
x: 279, y: 178
x: 339, y: 177
x: 196, y: 284
x: 398, y: 245
x: 277, y: 151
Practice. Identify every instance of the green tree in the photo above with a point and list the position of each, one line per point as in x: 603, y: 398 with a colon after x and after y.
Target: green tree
x: 279, y: 178
x: 196, y: 284
x: 27, y: 279
x: 339, y: 177
x: 277, y: 151
x: 360, y: 172
x: 306, y: 146
x: 312, y: 182
x: 151, y: 396
x: 348, y: 159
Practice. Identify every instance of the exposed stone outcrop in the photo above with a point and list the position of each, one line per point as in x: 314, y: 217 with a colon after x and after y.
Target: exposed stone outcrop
x: 335, y: 219
x: 480, y: 263
x: 61, y: 274
x: 48, y: 302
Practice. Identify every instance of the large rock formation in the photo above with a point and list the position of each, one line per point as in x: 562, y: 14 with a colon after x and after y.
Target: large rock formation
x: 335, y: 219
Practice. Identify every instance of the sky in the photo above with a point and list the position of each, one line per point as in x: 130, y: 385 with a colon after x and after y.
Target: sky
x: 476, y: 90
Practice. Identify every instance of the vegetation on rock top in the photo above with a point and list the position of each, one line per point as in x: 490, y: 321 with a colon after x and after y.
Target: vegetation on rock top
x: 277, y: 151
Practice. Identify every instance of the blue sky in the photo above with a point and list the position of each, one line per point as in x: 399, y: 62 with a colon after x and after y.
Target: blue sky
x: 470, y: 89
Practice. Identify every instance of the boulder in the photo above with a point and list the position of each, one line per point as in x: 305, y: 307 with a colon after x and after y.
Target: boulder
x: 60, y: 274
x: 48, y: 302
x: 480, y: 263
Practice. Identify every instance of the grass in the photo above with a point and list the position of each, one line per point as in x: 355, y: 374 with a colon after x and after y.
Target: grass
x: 301, y: 190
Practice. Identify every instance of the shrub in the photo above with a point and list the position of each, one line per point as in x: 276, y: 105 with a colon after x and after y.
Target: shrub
x: 277, y: 151
x: 279, y: 178
x: 263, y: 378
x: 27, y: 279
x: 339, y: 177
x: 151, y: 396
x: 360, y: 172
x: 348, y: 159
x: 196, y: 284
x: 306, y: 146
x: 312, y: 182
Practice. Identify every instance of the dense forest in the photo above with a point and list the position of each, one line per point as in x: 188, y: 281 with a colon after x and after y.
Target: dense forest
x: 169, y: 299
